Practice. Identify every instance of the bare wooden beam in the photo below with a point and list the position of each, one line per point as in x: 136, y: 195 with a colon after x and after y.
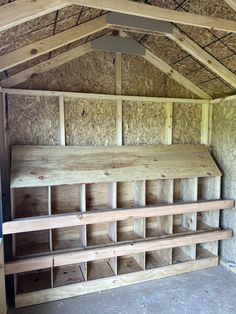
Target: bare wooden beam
x: 203, y: 56
x: 232, y: 4
x: 175, y: 75
x: 46, y: 66
x: 109, y: 251
x: 3, y: 302
x: 157, y: 13
x: 21, y: 11
x: 27, y: 92
x: 99, y: 216
x: 50, y: 43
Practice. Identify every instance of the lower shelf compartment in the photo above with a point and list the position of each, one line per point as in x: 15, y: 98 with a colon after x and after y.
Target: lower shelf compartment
x: 158, y: 258
x: 99, y: 269
x: 128, y: 264
x: 66, y: 275
x: 81, y: 288
x: 33, y: 281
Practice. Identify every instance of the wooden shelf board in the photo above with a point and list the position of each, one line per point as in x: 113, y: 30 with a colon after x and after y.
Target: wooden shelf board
x: 67, y: 244
x: 51, y: 165
x: 98, y: 239
x: 127, y: 236
x: 154, y: 232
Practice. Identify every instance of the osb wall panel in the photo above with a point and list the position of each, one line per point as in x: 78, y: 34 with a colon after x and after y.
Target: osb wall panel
x: 224, y: 151
x: 143, y: 123
x: 33, y: 120
x: 187, y: 123
x: 139, y: 77
x: 90, y: 122
x: 93, y: 72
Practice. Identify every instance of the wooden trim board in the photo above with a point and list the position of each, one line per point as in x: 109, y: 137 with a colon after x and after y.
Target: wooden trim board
x: 27, y: 299
x: 99, y: 216
x: 110, y: 251
x: 26, y: 92
x: 47, y: 165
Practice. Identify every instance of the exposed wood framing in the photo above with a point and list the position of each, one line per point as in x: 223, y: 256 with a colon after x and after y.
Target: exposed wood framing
x: 92, y: 217
x: 232, y: 4
x: 205, y: 123
x: 62, y: 121
x: 75, y: 257
x: 204, y: 57
x: 3, y: 304
x: 20, y: 11
x: 50, y: 43
x: 175, y: 75
x: 168, y: 123
x: 73, y: 290
x: 46, y: 66
x: 119, y: 113
x: 26, y: 92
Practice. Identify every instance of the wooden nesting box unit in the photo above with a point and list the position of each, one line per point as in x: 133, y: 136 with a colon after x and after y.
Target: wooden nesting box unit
x: 95, y: 218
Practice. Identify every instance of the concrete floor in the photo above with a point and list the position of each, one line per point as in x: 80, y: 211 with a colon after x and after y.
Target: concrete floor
x: 200, y: 292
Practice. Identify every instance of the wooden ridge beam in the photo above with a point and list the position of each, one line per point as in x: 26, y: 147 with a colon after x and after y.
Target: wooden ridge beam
x: 45, y: 66
x: 50, y: 43
x: 109, y: 251
x: 203, y: 56
x: 21, y: 11
x: 157, y: 13
x: 231, y: 3
x: 101, y: 216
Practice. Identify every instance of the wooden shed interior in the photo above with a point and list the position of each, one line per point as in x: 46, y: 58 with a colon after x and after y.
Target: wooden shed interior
x: 117, y: 143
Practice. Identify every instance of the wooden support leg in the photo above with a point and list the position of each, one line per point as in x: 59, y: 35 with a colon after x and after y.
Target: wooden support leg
x: 3, y: 304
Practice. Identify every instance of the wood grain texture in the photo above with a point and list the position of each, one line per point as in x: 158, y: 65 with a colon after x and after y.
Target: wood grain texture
x: 109, y: 251
x: 91, y: 217
x: 43, y: 166
x: 111, y: 282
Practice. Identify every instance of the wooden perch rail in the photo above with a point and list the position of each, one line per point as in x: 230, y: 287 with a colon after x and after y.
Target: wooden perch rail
x: 94, y: 254
x: 99, y: 216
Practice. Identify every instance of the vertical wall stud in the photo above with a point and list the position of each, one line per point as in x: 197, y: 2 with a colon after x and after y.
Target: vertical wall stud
x: 168, y: 123
x: 62, y: 121
x: 83, y: 233
x: 205, y: 124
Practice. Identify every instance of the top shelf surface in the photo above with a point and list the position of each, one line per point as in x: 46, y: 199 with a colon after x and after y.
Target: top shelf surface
x: 57, y: 165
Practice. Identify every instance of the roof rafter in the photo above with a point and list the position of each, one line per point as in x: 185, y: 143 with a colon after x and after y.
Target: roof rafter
x: 231, y: 3
x: 51, y: 43
x: 21, y: 11
x: 46, y: 66
x: 203, y: 56
x: 157, y: 13
x: 83, y: 49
